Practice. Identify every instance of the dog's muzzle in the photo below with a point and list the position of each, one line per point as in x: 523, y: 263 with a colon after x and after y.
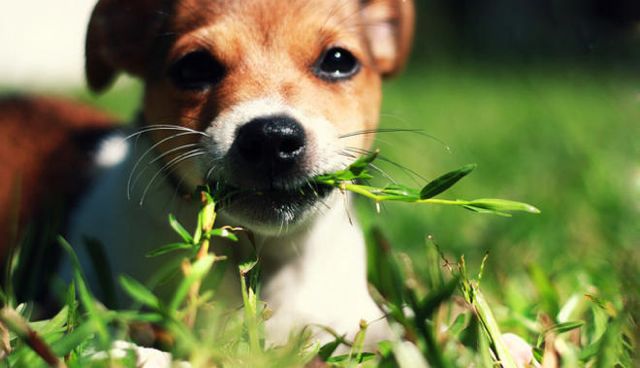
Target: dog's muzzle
x: 266, y: 173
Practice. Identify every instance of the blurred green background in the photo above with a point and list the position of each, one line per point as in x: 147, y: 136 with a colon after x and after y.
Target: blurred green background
x: 545, y: 97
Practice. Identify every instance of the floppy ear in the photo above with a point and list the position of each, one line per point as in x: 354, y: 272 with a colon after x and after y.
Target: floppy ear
x: 388, y: 26
x: 119, y: 38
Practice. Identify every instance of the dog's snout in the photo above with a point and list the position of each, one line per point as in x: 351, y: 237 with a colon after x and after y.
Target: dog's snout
x: 273, y: 143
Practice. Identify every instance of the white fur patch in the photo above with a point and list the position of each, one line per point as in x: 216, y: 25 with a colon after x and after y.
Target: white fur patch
x: 112, y: 151
x: 145, y: 357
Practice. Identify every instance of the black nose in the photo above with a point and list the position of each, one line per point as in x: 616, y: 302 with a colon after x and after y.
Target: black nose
x: 271, y: 145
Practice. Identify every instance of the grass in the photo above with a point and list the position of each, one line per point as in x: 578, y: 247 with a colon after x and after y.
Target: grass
x: 568, y: 281
x: 564, y: 140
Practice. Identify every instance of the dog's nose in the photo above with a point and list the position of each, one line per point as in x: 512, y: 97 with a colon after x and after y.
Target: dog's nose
x: 271, y: 143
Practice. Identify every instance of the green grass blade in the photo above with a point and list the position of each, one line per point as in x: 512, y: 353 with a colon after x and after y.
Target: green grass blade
x: 559, y: 329
x: 502, y: 205
x: 384, y: 272
x: 611, y: 348
x: 437, y: 297
x: 72, y: 340
x: 357, y: 349
x: 139, y: 292
x: 198, y: 271
x: 71, y: 304
x: 180, y: 230
x: 223, y: 233
x: 445, y: 181
x: 492, y: 330
x: 86, y: 298
x: 565, y: 327
x: 18, y: 325
x: 329, y: 348
x: 169, y: 248
x: 102, y: 270
x: 53, y: 325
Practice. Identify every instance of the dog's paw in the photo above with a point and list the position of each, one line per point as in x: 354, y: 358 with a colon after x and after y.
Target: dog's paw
x: 145, y: 357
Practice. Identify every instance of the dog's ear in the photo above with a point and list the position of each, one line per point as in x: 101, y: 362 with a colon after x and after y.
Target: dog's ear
x: 120, y: 36
x: 389, y: 28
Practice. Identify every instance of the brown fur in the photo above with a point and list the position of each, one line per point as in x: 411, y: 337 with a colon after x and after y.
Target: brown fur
x: 44, y: 146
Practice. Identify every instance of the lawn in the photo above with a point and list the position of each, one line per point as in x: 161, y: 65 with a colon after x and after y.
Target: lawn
x: 561, y: 137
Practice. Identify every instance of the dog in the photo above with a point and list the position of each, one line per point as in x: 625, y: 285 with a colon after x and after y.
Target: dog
x: 254, y: 97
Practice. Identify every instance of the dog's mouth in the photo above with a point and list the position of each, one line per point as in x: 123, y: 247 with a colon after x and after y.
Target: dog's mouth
x: 228, y: 192
x: 272, y: 206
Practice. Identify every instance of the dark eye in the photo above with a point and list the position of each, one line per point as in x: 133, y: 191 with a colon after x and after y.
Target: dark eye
x: 196, y: 71
x: 336, y: 64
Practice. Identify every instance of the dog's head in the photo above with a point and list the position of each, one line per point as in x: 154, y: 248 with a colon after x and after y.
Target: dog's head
x: 272, y: 86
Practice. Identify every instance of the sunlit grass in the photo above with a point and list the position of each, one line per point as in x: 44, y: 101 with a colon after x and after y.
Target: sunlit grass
x: 440, y: 317
x: 560, y: 138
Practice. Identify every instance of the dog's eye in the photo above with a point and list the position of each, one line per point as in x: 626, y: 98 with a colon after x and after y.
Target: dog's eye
x: 336, y: 64
x: 196, y: 70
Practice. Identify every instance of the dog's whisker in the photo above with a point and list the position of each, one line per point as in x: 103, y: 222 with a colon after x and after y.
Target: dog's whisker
x: 348, y: 155
x: 325, y: 205
x: 317, y: 195
x: 380, y: 130
x: 141, y: 172
x: 383, y: 173
x: 313, y: 190
x: 213, y: 165
x: 345, y: 199
x: 281, y: 226
x: 409, y: 172
x: 412, y: 174
x: 419, y: 132
x: 173, y: 150
x: 361, y: 151
x: 160, y: 127
x: 169, y: 165
x: 207, y: 177
x: 145, y: 154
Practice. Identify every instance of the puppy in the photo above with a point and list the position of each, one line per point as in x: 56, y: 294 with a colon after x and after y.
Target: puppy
x: 253, y: 97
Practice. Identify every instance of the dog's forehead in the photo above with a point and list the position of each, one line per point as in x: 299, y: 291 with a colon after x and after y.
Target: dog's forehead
x: 264, y: 16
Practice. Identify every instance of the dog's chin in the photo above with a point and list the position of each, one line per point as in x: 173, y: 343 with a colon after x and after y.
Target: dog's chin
x: 272, y: 211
